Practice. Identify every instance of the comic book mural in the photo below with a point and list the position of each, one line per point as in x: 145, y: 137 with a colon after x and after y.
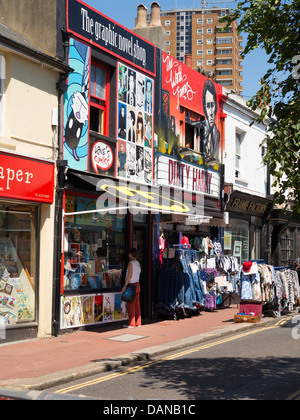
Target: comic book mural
x: 187, y: 137
x: 134, y: 125
x: 76, y: 107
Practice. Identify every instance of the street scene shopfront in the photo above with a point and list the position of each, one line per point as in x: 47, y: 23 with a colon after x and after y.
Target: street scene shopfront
x: 143, y: 141
x: 108, y: 136
x: 26, y: 185
x: 246, y: 235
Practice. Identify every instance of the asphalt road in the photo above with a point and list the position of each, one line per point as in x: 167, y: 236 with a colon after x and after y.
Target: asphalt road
x: 260, y: 364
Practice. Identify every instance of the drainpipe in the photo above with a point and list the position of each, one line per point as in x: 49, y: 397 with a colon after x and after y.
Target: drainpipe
x: 61, y: 170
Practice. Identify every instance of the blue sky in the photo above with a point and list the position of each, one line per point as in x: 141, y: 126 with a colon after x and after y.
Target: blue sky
x: 124, y: 12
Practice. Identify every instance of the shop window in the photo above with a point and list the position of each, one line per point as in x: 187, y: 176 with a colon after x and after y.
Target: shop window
x: 239, y: 137
x: 18, y: 257
x: 194, y: 131
x: 99, y: 93
x: 94, y: 247
x: 257, y: 243
x: 190, y: 136
x: 236, y: 240
x: 287, y: 247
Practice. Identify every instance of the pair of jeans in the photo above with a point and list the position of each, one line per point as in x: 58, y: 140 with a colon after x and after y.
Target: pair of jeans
x: 134, y: 309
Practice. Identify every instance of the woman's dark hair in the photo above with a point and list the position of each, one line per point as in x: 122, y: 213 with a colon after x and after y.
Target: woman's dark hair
x: 209, y: 87
x: 133, y: 252
x: 132, y: 114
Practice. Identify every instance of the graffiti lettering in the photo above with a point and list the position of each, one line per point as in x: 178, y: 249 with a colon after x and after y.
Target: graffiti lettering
x: 178, y: 81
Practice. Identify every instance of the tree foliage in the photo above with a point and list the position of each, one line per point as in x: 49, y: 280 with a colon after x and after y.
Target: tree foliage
x: 274, y: 26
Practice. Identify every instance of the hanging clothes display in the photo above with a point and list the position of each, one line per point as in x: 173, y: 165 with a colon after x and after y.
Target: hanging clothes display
x: 277, y: 288
x: 287, y: 287
x: 180, y: 286
x: 193, y: 275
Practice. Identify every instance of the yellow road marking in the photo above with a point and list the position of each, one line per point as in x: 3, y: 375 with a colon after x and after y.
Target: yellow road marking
x: 171, y: 357
x: 294, y: 397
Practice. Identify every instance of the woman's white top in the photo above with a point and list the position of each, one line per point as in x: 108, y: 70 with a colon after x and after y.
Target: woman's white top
x: 136, y: 271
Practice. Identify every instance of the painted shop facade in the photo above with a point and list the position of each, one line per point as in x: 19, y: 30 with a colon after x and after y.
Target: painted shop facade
x: 141, y: 149
x: 133, y: 148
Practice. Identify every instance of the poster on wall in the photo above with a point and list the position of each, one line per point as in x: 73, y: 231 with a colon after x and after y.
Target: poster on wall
x: 76, y: 107
x: 88, y: 305
x: 190, y: 113
x: 227, y: 240
x: 78, y: 311
x: 120, y: 308
x: 98, y: 309
x: 108, y: 307
x: 135, y: 126
x: 71, y: 312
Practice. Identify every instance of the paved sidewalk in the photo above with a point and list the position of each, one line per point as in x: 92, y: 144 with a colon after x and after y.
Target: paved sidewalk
x: 40, y: 364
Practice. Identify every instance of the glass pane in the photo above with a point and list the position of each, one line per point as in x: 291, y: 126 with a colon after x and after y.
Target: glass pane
x: 238, y: 144
x: 236, y: 240
x: 100, y: 82
x: 17, y: 263
x: 258, y: 244
x: 96, y: 120
x: 94, y: 247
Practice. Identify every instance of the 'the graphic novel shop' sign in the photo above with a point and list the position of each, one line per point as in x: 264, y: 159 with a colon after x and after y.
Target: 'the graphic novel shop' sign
x: 96, y: 28
x: 26, y: 178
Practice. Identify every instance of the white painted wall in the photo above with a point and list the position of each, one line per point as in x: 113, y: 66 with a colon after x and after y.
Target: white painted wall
x: 253, y: 177
x: 30, y: 96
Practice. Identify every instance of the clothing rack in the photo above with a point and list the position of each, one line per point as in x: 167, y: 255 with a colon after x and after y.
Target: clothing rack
x: 181, y: 246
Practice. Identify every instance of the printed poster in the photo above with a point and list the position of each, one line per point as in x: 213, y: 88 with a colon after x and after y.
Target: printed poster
x: 98, y: 309
x: 108, y: 307
x: 88, y: 303
x: 120, y: 308
x: 71, y: 312
x: 135, y: 126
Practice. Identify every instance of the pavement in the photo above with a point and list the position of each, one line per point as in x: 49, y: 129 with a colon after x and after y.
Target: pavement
x: 44, y: 363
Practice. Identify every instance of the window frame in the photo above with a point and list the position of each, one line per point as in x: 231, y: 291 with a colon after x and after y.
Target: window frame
x: 98, y: 102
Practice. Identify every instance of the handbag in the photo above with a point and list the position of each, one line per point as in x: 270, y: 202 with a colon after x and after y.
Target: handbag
x: 129, y: 294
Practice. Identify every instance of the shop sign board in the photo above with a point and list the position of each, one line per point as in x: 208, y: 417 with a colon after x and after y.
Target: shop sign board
x: 247, y: 204
x: 102, y: 156
x: 24, y: 178
x: 191, y: 178
x: 102, y: 32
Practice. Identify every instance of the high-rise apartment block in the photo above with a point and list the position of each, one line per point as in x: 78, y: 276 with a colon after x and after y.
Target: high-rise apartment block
x: 199, y: 32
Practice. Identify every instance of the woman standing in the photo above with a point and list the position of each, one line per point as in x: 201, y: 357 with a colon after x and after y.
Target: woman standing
x: 133, y: 277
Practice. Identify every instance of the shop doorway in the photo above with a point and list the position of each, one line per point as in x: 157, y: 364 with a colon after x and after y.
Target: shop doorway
x: 140, y: 241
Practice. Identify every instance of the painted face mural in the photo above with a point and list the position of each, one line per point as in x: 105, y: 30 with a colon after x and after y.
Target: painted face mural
x: 77, y: 107
x: 190, y: 115
x: 211, y: 140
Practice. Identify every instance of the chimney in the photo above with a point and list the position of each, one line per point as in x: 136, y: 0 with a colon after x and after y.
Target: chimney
x: 141, y: 16
x: 155, y: 32
x: 155, y: 14
x: 188, y: 60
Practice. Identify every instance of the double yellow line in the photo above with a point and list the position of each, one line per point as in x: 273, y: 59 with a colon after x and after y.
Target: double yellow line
x: 167, y: 358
